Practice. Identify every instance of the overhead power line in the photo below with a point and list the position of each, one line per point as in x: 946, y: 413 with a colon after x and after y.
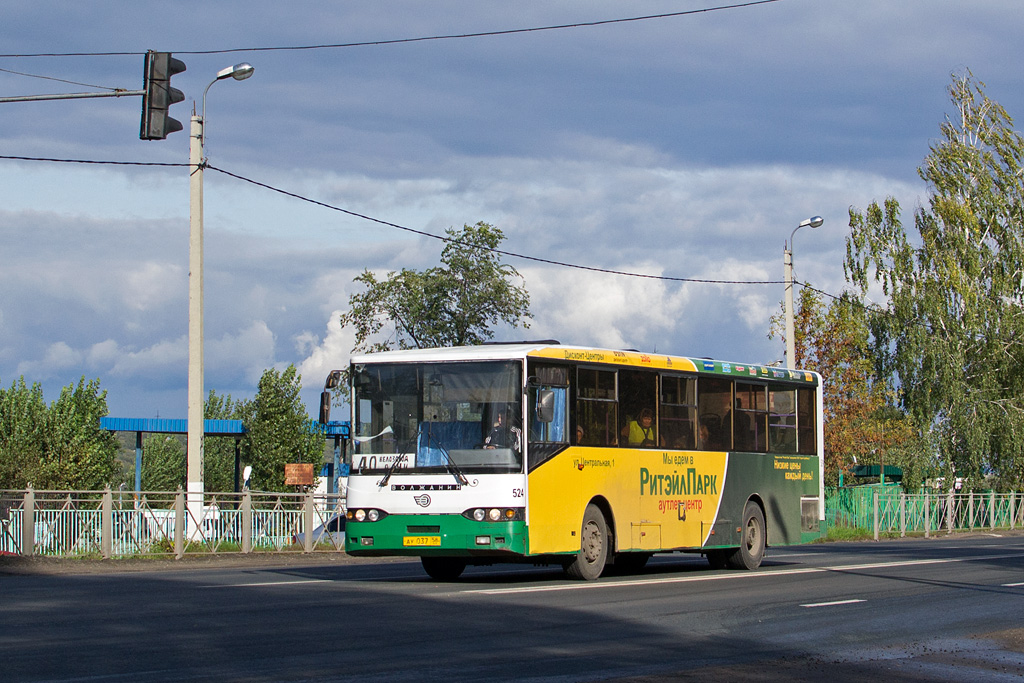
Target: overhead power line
x: 59, y: 80
x: 414, y: 231
x: 421, y: 39
x: 503, y: 252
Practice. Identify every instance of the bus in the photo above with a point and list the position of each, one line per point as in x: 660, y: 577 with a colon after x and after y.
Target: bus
x: 590, y: 458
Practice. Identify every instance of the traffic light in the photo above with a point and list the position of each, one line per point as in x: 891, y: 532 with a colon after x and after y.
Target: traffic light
x: 159, y: 95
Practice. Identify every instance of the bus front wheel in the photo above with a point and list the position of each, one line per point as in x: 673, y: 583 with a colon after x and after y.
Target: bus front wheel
x: 589, y: 562
x: 443, y: 568
x: 752, y: 543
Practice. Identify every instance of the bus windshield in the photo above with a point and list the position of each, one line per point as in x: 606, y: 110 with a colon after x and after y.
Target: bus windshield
x: 438, y: 417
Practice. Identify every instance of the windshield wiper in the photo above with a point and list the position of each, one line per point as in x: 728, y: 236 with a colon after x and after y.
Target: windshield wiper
x: 450, y: 465
x: 394, y: 466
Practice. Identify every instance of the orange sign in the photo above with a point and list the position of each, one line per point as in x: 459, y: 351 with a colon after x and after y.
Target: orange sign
x: 298, y: 474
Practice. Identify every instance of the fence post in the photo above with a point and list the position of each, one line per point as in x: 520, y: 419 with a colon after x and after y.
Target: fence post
x: 927, y: 514
x: 903, y: 514
x: 874, y: 499
x: 307, y: 540
x: 992, y: 509
x: 179, y: 524
x: 949, y: 513
x: 107, y: 524
x: 970, y: 510
x: 247, y: 522
x: 28, y: 523
x: 1013, y: 516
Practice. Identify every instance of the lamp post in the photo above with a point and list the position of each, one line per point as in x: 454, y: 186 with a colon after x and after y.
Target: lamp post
x: 787, y: 261
x: 196, y: 429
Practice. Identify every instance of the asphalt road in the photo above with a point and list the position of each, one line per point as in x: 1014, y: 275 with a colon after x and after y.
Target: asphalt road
x: 949, y: 608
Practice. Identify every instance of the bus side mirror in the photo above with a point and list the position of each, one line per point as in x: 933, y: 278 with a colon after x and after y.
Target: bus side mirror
x: 325, y: 407
x: 545, y: 405
x: 333, y: 380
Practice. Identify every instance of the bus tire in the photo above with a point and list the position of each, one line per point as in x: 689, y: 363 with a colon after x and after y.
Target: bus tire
x: 589, y: 562
x: 718, y: 559
x: 752, y: 542
x: 443, y: 568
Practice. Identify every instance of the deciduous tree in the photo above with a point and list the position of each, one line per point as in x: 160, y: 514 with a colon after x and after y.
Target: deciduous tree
x: 952, y: 333
x: 455, y: 304
x: 278, y: 430
x: 862, y: 426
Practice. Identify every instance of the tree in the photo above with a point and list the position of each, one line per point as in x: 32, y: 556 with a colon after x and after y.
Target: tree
x: 164, y: 466
x: 278, y: 430
x: 455, y: 304
x: 219, y: 451
x: 951, y: 334
x: 862, y: 425
x: 22, y: 434
x: 163, y: 463
x: 78, y: 454
x: 60, y: 446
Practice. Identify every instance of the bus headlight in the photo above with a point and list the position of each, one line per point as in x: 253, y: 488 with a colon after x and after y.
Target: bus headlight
x: 495, y: 514
x: 370, y: 515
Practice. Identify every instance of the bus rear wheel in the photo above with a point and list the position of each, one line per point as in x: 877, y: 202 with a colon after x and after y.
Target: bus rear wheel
x: 443, y: 568
x: 718, y: 559
x: 752, y: 543
x: 589, y: 562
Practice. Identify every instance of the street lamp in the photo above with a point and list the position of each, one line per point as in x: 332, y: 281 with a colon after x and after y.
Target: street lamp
x: 787, y: 261
x: 196, y: 429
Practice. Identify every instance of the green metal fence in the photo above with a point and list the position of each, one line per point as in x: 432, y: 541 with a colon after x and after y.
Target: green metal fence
x: 65, y: 523
x: 888, y: 510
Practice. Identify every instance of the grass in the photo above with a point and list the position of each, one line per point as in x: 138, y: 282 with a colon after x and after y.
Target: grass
x: 846, y: 533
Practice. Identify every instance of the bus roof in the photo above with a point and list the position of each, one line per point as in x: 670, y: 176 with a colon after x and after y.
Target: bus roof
x: 590, y: 355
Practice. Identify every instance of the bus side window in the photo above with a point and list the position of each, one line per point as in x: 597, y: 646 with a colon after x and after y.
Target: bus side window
x: 549, y: 393
x: 638, y: 396
x: 677, y: 412
x: 596, y: 407
x: 750, y: 418
x: 547, y: 414
x: 806, y: 439
x: 714, y: 404
x: 782, y: 420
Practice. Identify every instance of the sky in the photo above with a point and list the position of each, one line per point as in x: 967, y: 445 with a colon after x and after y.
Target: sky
x: 686, y: 146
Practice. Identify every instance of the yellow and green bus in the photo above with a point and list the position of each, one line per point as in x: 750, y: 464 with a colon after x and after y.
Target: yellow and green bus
x: 589, y: 458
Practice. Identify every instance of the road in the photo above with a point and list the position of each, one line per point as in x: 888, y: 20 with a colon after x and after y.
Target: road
x: 947, y: 608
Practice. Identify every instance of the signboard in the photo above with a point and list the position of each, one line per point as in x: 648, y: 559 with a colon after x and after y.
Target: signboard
x: 298, y: 474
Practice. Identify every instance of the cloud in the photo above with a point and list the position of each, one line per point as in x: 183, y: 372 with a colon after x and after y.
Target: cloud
x: 686, y: 147
x: 320, y: 356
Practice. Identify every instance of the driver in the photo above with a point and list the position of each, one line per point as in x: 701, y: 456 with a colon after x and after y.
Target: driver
x: 503, y: 435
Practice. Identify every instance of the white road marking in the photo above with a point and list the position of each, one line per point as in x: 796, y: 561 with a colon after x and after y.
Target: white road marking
x: 1013, y: 585
x: 267, y: 583
x: 832, y: 604
x: 731, y: 575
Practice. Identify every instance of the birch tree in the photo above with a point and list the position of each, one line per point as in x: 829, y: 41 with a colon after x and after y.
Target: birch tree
x: 951, y: 334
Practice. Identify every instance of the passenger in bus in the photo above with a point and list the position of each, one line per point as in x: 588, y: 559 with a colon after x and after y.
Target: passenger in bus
x: 640, y: 432
x: 503, y: 434
x: 682, y: 438
x: 705, y: 436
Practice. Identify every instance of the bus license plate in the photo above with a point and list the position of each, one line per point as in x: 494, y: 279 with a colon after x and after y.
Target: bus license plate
x: 421, y: 540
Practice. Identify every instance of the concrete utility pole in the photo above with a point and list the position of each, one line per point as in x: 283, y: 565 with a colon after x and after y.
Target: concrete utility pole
x: 787, y: 262
x: 196, y: 430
